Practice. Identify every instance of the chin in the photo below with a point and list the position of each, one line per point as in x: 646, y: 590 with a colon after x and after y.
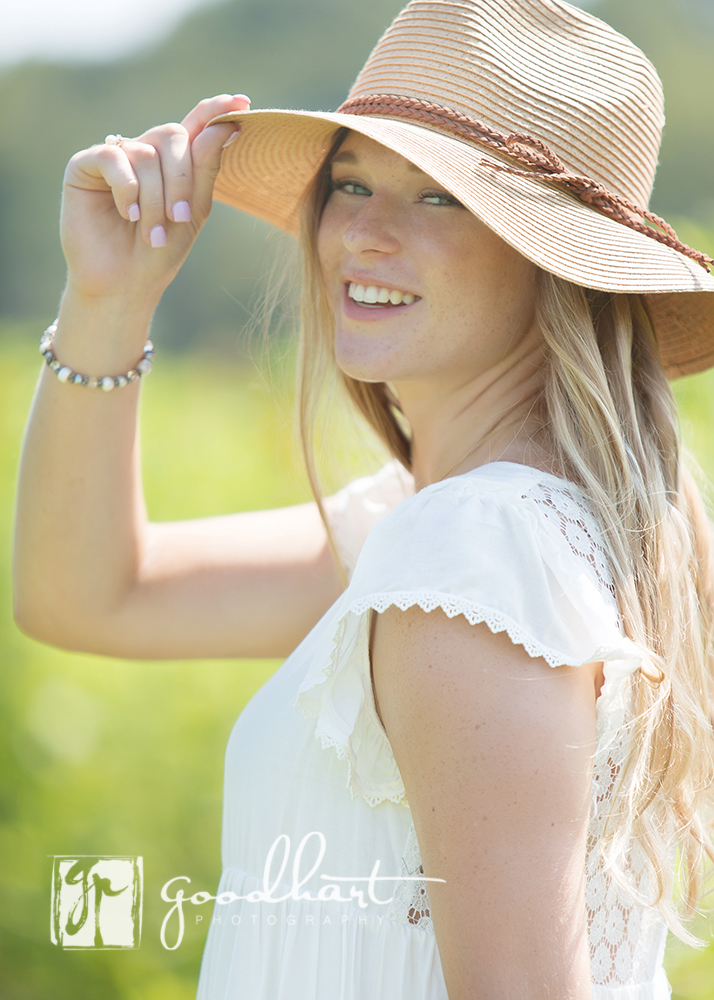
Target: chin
x: 367, y: 365
x: 362, y: 371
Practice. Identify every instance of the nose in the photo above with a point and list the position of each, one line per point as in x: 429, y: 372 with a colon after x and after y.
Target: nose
x: 373, y: 228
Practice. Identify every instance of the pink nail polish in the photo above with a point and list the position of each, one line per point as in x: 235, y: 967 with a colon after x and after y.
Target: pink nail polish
x: 157, y: 236
x: 182, y: 211
x: 134, y: 212
x: 241, y: 97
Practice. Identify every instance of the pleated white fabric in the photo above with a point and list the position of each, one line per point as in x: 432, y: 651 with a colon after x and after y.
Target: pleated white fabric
x: 314, y: 803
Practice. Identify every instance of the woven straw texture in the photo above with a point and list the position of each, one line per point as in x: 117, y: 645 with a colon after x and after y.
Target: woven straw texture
x: 540, y: 67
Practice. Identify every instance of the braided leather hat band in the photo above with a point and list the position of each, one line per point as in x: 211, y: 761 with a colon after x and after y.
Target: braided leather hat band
x: 534, y: 154
x: 539, y: 118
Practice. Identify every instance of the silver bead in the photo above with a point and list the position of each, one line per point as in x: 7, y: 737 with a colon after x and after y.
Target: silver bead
x: 107, y: 382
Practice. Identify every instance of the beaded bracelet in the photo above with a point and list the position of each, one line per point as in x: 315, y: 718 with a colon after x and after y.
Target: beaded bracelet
x: 105, y: 382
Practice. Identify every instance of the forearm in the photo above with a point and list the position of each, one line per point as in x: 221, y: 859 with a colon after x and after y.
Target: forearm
x: 81, y: 525
x: 80, y: 517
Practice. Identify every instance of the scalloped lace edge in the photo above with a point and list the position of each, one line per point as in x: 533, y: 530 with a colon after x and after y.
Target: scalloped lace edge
x: 344, y: 752
x: 474, y: 613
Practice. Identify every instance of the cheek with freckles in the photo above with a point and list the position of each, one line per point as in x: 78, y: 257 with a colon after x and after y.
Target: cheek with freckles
x: 477, y: 296
x: 477, y: 307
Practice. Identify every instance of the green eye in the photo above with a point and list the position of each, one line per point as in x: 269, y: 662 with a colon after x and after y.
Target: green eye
x: 350, y: 187
x: 438, y: 198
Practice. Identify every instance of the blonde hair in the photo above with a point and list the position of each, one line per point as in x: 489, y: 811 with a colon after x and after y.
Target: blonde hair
x: 611, y: 421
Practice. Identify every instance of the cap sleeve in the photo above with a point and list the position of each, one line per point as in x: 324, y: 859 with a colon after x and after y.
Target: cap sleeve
x: 355, y: 509
x: 521, y: 556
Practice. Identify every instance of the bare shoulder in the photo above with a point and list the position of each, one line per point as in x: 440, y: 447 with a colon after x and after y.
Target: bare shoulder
x: 495, y: 750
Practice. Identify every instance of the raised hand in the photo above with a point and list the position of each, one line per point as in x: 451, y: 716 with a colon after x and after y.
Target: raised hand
x: 131, y: 211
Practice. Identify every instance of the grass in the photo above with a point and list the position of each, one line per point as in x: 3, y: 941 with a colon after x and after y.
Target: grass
x: 118, y: 757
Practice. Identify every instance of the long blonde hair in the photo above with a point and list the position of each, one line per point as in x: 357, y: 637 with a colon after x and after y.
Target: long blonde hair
x: 611, y: 421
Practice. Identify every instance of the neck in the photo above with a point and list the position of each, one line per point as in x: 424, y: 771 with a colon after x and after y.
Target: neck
x: 459, y: 426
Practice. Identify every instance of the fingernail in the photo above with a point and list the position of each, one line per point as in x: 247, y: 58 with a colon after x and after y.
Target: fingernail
x: 231, y: 138
x: 134, y: 212
x: 241, y: 97
x: 157, y: 236
x: 182, y: 211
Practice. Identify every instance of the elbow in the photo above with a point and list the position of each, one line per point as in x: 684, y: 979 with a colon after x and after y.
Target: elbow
x: 26, y: 617
x: 35, y: 608
x: 30, y: 620
x: 57, y: 615
x: 42, y: 622
x: 75, y: 630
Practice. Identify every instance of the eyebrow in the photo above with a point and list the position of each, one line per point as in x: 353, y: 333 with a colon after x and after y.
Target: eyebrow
x: 346, y: 156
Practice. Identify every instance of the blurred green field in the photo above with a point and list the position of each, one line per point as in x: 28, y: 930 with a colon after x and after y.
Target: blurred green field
x: 107, y: 756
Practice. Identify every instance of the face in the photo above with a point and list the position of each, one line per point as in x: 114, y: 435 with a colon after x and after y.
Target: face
x: 420, y: 288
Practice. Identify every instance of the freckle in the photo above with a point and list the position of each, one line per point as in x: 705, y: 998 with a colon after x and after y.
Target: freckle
x: 484, y: 818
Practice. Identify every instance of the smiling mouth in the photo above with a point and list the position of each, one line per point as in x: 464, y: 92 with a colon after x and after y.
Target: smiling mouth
x: 376, y: 296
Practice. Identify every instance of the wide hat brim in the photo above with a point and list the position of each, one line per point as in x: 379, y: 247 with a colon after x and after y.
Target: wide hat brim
x: 268, y: 168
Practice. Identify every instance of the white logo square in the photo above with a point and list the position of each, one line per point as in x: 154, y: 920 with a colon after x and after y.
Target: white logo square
x: 96, y: 902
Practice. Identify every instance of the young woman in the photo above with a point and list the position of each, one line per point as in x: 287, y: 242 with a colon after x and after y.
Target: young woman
x: 476, y: 771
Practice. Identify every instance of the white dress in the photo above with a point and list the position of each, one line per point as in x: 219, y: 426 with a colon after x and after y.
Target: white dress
x: 313, y: 793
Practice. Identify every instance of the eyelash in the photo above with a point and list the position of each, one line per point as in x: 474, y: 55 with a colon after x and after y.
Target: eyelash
x: 446, y: 199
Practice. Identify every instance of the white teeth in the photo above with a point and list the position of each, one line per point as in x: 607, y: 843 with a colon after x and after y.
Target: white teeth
x: 375, y: 294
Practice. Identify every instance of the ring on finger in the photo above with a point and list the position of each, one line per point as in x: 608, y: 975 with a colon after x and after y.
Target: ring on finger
x: 114, y: 140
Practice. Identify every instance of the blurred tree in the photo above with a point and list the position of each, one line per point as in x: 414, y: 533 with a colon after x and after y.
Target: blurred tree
x: 282, y: 53
x: 678, y: 36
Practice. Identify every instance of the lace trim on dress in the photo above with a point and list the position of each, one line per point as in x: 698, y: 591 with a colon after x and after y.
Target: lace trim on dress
x: 475, y: 614
x: 578, y: 525
x: 626, y: 940
x: 327, y: 671
x: 343, y: 746
x: 410, y: 903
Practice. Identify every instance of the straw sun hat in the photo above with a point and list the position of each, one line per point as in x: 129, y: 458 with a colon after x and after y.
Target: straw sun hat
x: 541, y: 119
